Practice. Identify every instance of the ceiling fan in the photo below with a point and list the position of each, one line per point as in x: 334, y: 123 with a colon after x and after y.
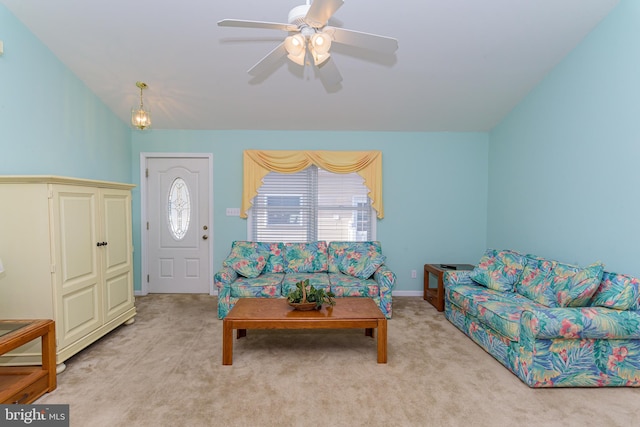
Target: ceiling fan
x: 310, y: 39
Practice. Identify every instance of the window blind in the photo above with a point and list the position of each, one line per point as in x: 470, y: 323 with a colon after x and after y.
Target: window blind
x: 310, y: 205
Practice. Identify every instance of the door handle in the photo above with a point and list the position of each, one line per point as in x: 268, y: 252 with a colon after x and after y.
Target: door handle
x: 205, y: 237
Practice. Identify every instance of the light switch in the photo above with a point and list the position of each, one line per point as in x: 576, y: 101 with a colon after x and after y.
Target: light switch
x: 233, y: 211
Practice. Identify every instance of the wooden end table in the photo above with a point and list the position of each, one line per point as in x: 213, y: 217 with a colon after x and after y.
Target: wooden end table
x: 436, y: 295
x: 275, y: 313
x: 24, y: 384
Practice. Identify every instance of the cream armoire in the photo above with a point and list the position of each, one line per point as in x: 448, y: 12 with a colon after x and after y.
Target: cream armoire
x: 67, y: 249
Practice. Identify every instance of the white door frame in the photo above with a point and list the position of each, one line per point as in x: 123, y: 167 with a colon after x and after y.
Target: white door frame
x: 144, y: 290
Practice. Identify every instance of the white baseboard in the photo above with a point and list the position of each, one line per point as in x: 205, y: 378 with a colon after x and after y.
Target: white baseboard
x: 141, y: 293
x: 407, y: 293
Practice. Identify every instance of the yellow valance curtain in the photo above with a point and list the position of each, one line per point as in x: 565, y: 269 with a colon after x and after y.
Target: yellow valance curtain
x: 257, y: 164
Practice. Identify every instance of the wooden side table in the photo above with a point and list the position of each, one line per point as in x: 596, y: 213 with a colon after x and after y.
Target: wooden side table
x: 436, y: 295
x: 24, y: 384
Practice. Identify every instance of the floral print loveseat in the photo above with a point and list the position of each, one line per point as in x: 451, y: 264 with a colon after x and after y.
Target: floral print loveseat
x: 551, y: 324
x: 271, y: 270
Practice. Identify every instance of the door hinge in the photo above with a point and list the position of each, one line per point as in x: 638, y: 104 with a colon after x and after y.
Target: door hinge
x: 53, y: 268
x: 147, y: 225
x: 147, y: 278
x: 146, y: 173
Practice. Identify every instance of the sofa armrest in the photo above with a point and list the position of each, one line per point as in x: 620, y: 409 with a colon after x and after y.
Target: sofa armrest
x: 386, y: 280
x: 385, y: 277
x: 224, y: 277
x: 457, y: 277
x: 580, y: 322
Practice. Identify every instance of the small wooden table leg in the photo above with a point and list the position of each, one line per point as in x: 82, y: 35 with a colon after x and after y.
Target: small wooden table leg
x: 382, y: 341
x: 227, y: 343
x: 368, y: 332
x: 241, y: 333
x: 49, y: 355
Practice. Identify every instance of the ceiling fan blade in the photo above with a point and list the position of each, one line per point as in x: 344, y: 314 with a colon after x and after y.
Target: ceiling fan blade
x: 363, y: 40
x: 269, y: 62
x: 320, y: 12
x: 257, y: 24
x: 329, y: 75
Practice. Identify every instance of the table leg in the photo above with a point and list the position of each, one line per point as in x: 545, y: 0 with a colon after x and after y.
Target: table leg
x: 49, y: 355
x: 241, y: 333
x: 227, y: 343
x: 426, y: 285
x: 382, y: 341
x: 368, y: 332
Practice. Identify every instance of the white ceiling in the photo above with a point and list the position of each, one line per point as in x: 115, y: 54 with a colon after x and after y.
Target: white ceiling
x: 461, y: 65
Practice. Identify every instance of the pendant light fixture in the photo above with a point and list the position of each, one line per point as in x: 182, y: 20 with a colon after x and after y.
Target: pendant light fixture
x: 140, y: 118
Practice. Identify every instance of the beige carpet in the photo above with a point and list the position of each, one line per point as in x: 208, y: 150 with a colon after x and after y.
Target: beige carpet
x: 166, y: 370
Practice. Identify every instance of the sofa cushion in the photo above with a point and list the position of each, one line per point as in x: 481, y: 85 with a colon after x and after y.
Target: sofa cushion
x: 500, y: 311
x: 310, y: 257
x: 535, y: 284
x: 574, y: 286
x: 267, y: 285
x: 317, y: 280
x: 499, y: 270
x: 344, y: 285
x: 337, y: 251
x: 275, y: 262
x: 248, y: 259
x: 361, y: 261
x: 617, y: 291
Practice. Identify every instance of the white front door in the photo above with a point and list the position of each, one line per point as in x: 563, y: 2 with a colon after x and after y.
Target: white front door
x: 178, y: 228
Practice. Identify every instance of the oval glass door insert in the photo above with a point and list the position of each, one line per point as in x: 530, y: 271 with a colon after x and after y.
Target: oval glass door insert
x: 179, y: 208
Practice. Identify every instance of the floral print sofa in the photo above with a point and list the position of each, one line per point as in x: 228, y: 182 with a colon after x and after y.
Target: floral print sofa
x: 551, y: 324
x: 271, y: 270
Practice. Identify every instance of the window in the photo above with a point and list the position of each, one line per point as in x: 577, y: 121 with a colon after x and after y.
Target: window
x: 310, y: 205
x: 178, y: 209
x: 283, y: 209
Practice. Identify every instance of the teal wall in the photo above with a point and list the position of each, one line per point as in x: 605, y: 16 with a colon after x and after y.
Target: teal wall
x: 556, y: 178
x: 50, y: 122
x: 434, y: 188
x: 564, y: 180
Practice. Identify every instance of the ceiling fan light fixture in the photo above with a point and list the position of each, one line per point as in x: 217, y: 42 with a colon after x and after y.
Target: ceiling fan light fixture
x: 296, y: 48
x: 298, y: 59
x: 321, y: 43
x: 295, y: 44
x: 320, y: 58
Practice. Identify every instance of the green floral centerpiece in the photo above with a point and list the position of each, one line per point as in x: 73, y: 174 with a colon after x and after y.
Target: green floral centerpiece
x: 307, y: 297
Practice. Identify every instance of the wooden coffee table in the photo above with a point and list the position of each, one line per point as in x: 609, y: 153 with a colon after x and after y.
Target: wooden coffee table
x: 275, y: 313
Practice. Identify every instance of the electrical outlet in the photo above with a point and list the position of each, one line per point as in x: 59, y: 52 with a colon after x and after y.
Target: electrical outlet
x: 414, y: 274
x: 233, y: 211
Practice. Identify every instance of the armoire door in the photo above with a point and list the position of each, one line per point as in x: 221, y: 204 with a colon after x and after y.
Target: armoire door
x: 116, y: 252
x: 76, y: 267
